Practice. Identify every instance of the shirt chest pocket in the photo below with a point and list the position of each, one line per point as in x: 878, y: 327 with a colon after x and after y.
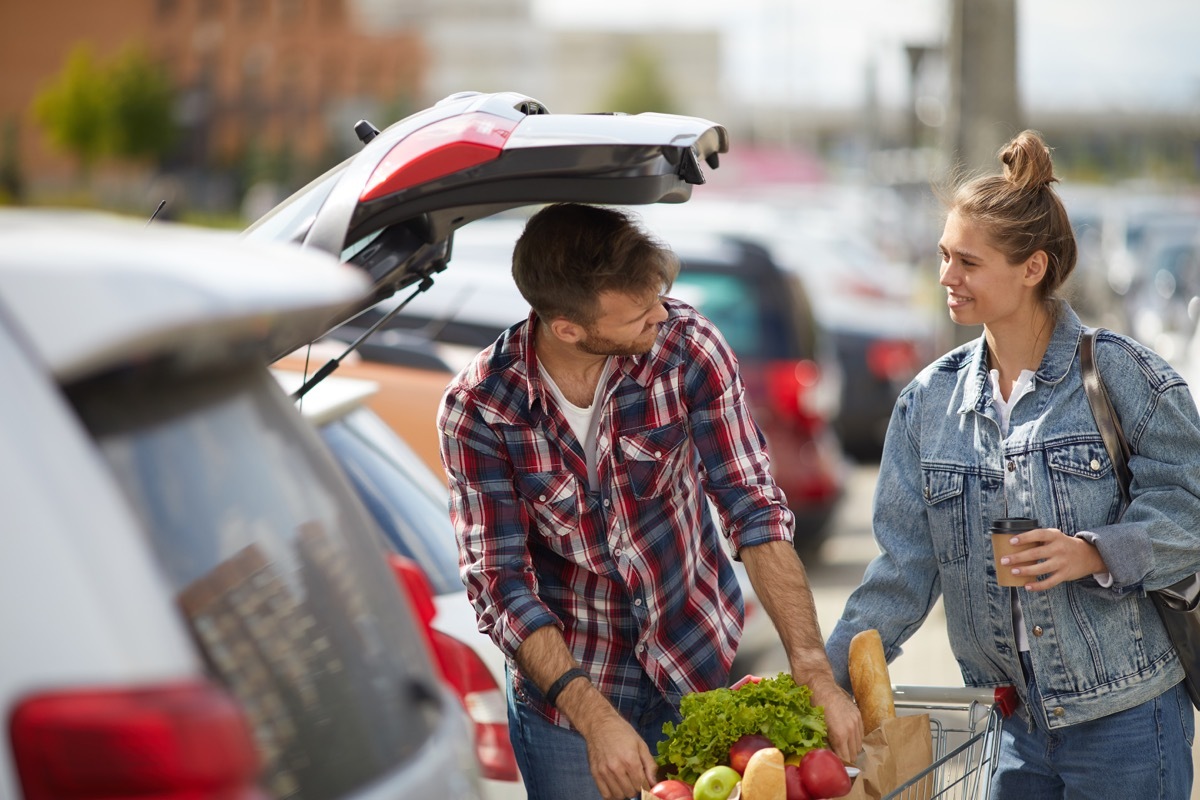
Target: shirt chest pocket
x: 553, y: 500
x: 652, y: 458
x: 945, y: 502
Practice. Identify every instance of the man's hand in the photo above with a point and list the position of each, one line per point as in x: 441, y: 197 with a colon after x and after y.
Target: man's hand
x: 620, y: 761
x: 781, y: 583
x: 842, y: 718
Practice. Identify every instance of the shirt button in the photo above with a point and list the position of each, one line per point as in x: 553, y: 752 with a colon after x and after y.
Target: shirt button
x: 641, y: 648
x: 1058, y: 711
x: 542, y: 498
x: 637, y: 602
x: 607, y: 502
x: 1095, y: 465
x: 1012, y: 466
x: 617, y: 552
x: 658, y: 453
x: 1037, y: 630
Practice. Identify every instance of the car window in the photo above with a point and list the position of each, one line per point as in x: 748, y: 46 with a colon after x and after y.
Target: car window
x: 409, y: 504
x: 291, y: 219
x: 729, y: 302
x: 278, y: 571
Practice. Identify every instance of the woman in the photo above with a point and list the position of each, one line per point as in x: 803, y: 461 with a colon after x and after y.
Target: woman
x: 1001, y: 427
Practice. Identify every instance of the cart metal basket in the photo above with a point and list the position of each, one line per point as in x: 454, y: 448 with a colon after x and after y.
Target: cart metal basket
x: 965, y: 726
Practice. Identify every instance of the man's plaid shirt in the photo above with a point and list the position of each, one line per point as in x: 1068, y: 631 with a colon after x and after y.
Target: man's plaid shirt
x: 632, y: 573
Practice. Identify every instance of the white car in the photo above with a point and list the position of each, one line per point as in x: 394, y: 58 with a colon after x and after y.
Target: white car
x: 193, y: 601
x: 410, y: 504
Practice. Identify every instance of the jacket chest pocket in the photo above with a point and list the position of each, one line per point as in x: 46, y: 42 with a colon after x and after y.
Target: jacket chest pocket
x: 1085, y: 490
x: 652, y: 458
x: 553, y: 499
x: 945, y: 502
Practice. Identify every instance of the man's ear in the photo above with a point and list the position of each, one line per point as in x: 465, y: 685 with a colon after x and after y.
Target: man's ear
x: 566, y: 331
x: 1035, y: 267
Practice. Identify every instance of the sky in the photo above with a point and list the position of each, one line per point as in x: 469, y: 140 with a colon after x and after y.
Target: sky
x: 1071, y: 54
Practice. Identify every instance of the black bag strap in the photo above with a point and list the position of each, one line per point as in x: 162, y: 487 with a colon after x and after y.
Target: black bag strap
x: 1106, y: 417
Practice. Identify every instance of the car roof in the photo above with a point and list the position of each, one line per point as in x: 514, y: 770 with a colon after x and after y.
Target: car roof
x: 90, y: 291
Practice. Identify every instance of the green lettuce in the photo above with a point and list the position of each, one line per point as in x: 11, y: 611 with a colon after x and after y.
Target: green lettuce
x: 712, y: 721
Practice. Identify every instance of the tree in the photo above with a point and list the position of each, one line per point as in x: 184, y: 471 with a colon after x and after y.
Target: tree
x: 122, y: 108
x: 72, y: 108
x: 639, y: 86
x: 140, y: 97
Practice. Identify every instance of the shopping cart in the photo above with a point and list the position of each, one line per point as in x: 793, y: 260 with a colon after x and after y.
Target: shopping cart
x: 965, y: 726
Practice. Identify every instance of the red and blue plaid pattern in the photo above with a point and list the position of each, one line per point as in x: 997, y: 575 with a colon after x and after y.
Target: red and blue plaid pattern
x: 632, y: 573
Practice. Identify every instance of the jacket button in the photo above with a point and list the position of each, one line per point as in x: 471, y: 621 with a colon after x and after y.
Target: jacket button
x: 927, y: 493
x: 1037, y: 630
x: 1012, y: 466
x: 1095, y: 465
x: 1058, y: 711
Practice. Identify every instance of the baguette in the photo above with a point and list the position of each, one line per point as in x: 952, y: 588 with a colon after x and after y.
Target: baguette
x: 870, y: 680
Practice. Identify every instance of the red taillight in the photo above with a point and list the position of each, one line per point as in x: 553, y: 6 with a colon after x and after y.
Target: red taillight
x: 892, y: 360
x: 464, y: 671
x: 792, y: 387
x: 441, y: 148
x: 186, y: 741
x: 485, y: 704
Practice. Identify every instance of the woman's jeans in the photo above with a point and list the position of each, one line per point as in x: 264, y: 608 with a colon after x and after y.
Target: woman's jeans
x: 553, y: 760
x: 1139, y: 754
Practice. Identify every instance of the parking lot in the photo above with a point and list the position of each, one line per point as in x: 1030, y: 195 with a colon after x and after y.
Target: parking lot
x: 844, y: 557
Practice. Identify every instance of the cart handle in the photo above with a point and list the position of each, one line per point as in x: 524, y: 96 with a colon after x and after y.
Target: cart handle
x: 959, y: 695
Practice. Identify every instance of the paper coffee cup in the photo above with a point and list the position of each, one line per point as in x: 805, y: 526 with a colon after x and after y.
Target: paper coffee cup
x: 1002, y: 531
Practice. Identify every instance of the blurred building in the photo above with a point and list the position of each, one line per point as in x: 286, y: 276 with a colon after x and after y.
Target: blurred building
x: 264, y: 76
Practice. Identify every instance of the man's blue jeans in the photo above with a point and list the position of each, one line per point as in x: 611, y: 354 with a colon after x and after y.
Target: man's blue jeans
x: 1140, y: 754
x: 553, y: 760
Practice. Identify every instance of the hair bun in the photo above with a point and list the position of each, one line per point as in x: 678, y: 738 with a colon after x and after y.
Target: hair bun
x: 1027, y: 162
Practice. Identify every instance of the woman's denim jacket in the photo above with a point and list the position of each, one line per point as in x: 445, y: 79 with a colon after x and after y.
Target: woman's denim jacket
x: 946, y: 472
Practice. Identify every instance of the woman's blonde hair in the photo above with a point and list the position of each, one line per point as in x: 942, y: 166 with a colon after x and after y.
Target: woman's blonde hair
x: 1020, y: 211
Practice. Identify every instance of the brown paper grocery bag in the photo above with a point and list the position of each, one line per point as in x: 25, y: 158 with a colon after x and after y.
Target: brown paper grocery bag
x: 893, y: 753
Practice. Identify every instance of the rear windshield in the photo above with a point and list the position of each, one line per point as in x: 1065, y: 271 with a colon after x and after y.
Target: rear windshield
x: 278, y: 570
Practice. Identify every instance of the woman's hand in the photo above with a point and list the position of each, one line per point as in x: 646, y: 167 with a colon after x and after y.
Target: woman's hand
x: 1057, y: 556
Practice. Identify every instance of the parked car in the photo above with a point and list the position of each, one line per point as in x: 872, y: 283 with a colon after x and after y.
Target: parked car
x: 869, y: 308
x: 195, y: 601
x: 410, y: 505
x: 406, y: 395
x: 791, y: 376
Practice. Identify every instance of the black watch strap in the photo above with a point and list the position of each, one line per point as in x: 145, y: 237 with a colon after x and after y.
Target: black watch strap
x: 556, y: 688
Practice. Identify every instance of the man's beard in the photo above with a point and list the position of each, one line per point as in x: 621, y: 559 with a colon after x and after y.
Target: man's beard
x: 596, y: 345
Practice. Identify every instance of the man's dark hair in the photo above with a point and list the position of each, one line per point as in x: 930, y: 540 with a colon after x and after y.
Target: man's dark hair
x: 569, y: 253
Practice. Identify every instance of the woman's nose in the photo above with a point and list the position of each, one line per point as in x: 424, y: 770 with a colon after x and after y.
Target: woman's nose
x: 947, y: 274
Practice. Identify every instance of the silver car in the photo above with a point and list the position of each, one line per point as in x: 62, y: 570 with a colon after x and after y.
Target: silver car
x: 193, y: 601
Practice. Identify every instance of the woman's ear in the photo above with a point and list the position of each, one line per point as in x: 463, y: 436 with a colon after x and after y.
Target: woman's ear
x: 1035, y: 267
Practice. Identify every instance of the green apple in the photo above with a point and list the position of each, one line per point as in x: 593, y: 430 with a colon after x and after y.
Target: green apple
x: 715, y: 783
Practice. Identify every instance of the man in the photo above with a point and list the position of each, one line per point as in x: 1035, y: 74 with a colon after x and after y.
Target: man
x: 580, y: 448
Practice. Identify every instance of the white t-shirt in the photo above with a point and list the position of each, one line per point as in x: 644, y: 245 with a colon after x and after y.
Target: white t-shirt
x: 1024, y: 385
x: 584, y: 422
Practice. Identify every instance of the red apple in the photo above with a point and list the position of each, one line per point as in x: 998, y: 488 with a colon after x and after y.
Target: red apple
x: 824, y: 774
x: 743, y: 748
x: 672, y: 790
x: 795, y: 786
